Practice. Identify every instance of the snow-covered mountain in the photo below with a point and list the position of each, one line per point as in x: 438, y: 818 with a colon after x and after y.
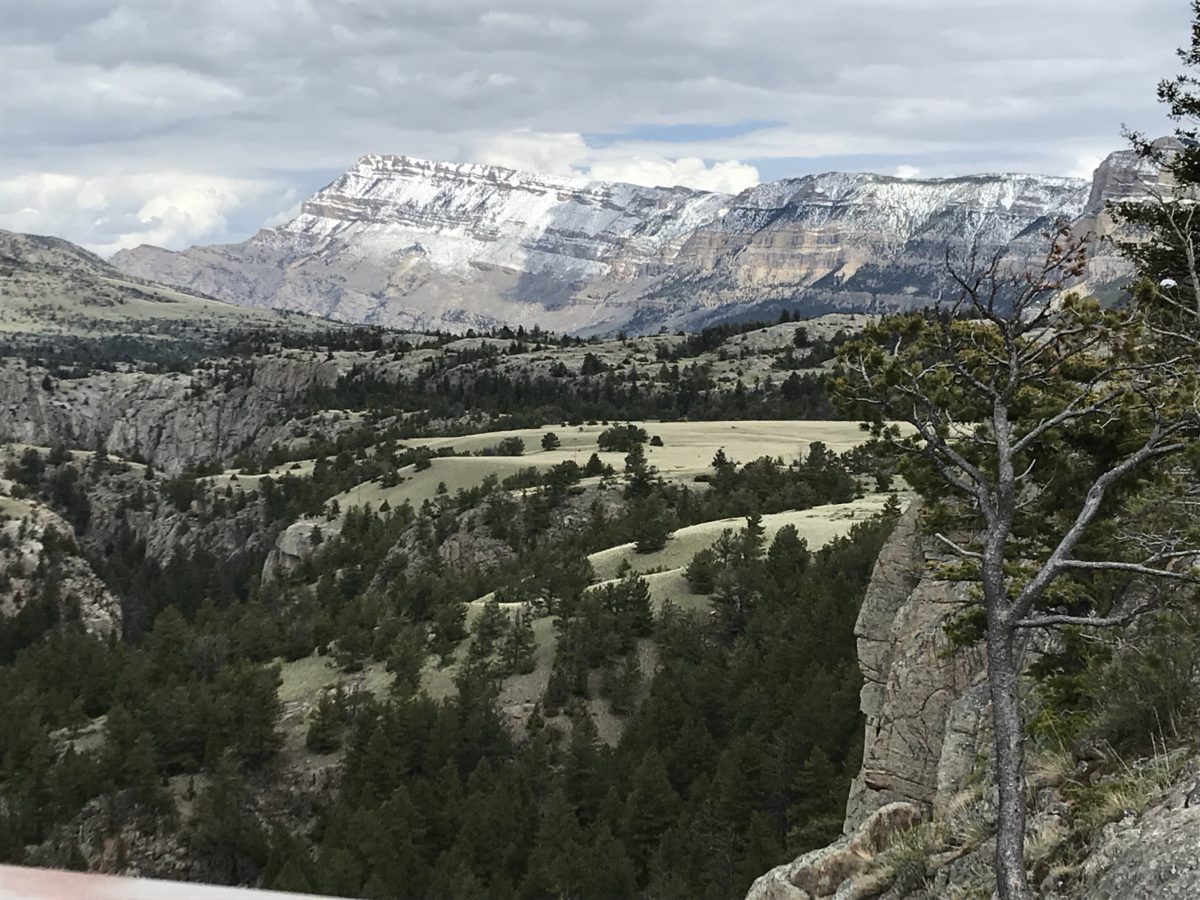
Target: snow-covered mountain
x: 419, y: 244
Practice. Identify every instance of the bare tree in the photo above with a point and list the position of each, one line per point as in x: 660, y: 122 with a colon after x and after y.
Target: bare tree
x: 1038, y: 412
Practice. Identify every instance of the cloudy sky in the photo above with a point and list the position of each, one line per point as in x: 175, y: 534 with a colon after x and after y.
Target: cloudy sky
x: 175, y: 122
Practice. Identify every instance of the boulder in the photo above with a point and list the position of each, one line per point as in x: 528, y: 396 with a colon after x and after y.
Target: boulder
x: 822, y: 872
x: 1154, y: 856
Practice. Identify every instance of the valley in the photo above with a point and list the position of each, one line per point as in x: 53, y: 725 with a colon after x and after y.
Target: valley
x: 286, y: 532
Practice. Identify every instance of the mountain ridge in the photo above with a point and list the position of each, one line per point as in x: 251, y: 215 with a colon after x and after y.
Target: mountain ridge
x: 413, y: 243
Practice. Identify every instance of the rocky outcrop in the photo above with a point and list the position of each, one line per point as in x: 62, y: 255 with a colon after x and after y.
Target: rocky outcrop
x: 1154, y: 856
x: 923, y: 700
x: 926, y: 762
x: 1122, y: 176
x: 296, y: 543
x: 39, y: 561
x: 925, y: 706
x: 822, y: 872
x: 171, y: 420
x: 417, y: 244
x: 138, y: 849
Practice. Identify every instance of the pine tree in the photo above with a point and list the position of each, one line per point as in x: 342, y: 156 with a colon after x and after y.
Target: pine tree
x: 763, y: 850
x: 650, y: 808
x: 701, y: 572
x: 489, y: 627
x: 406, y: 659
x: 651, y: 525
x: 341, y: 873
x: 734, y: 599
x: 605, y: 869
x: 637, y: 612
x: 622, y: 679
x: 815, y: 817
x: 291, y: 879
x: 326, y: 724
x: 891, y: 507
x: 559, y: 688
x: 788, y: 558
x: 584, y: 768
x: 553, y: 862
x: 224, y: 832
x: 455, y: 876
x: 594, y: 467
x: 519, y: 645
x: 753, y: 539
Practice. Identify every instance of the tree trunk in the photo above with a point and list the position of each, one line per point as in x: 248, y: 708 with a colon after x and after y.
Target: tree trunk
x: 1008, y: 740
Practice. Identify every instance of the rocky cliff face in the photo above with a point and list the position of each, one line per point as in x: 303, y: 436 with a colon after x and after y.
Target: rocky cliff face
x: 861, y: 242
x: 1122, y: 176
x: 1152, y: 856
x: 170, y: 420
x: 920, y: 817
x: 923, y: 701
x: 925, y: 710
x: 40, y: 563
x: 410, y: 243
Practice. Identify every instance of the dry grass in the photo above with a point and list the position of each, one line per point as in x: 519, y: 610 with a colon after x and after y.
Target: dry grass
x: 907, y: 862
x: 90, y: 305
x: 818, y: 525
x: 1050, y: 767
x: 688, y: 447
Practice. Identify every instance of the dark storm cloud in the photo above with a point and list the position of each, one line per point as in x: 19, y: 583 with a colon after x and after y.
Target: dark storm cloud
x: 182, y: 121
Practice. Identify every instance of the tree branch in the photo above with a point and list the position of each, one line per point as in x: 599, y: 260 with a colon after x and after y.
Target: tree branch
x: 961, y: 551
x: 1086, y: 621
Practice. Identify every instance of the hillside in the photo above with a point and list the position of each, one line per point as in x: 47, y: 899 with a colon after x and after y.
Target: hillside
x: 53, y: 289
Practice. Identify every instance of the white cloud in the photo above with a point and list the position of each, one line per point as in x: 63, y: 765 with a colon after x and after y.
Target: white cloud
x: 569, y: 154
x: 114, y: 212
x: 551, y: 154
x: 728, y: 177
x: 285, y: 215
x: 906, y: 171
x: 1085, y: 165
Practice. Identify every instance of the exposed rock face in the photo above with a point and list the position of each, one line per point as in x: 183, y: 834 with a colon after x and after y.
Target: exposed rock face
x: 1121, y: 177
x: 820, y: 873
x: 927, y: 733
x: 29, y: 571
x: 143, y: 850
x: 296, y: 543
x: 924, y: 708
x: 410, y: 243
x: 861, y: 242
x: 1155, y: 856
x: 170, y: 420
x: 923, y: 704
